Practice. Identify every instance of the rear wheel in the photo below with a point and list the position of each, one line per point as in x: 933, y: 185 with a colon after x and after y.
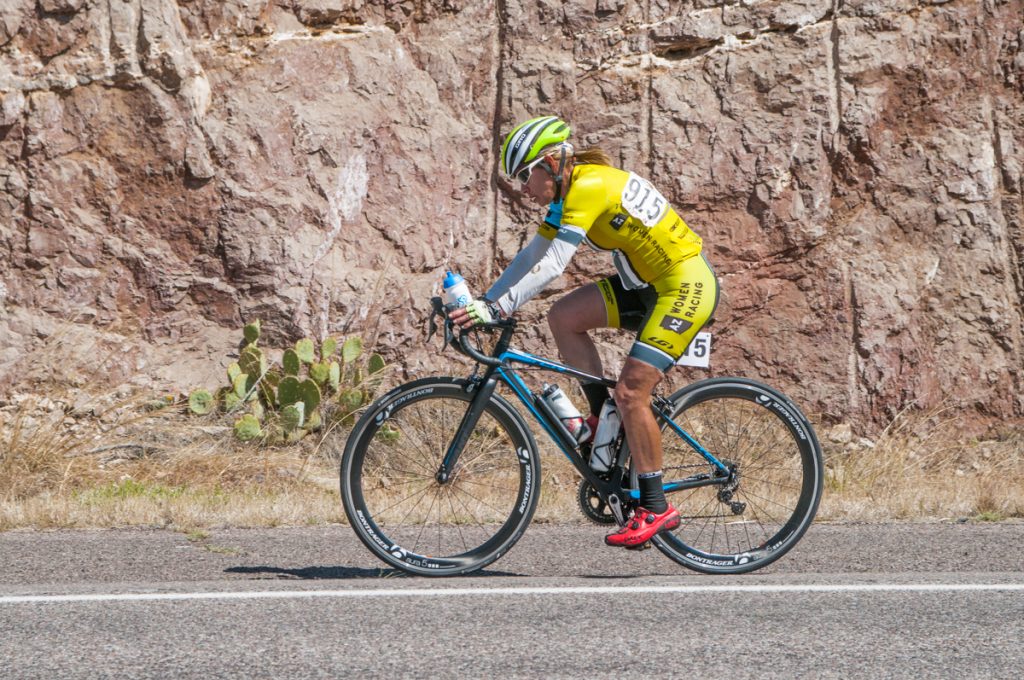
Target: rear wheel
x: 772, y: 492
x: 414, y: 522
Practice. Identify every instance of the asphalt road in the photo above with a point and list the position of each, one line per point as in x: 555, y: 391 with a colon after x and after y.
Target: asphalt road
x: 937, y: 600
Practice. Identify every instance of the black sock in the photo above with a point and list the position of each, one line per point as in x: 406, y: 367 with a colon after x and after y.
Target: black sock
x: 652, y: 495
x: 596, y: 394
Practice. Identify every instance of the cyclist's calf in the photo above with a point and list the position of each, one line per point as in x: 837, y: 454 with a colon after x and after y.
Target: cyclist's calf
x: 633, y: 396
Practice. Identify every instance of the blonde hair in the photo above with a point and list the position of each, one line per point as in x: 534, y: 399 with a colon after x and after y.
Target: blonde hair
x: 592, y: 155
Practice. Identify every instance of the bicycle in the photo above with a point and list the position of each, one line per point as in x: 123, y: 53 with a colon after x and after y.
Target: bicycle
x: 441, y: 476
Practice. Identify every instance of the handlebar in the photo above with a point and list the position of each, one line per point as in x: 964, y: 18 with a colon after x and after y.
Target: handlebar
x: 461, y: 341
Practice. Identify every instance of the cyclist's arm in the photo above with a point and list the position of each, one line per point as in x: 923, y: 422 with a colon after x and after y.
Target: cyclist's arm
x: 556, y: 241
x: 528, y: 274
x: 522, y: 263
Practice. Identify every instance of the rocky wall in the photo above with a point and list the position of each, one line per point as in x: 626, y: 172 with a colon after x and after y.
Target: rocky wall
x: 170, y: 169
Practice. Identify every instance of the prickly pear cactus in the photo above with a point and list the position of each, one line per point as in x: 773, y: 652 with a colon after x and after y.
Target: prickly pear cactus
x: 201, y: 402
x: 290, y: 362
x: 282, y: 402
x: 350, y: 399
x: 296, y: 435
x: 319, y: 372
x: 252, y: 361
x: 388, y: 434
x: 375, y: 364
x: 304, y: 348
x: 252, y: 384
x: 288, y: 391
x: 247, y: 428
x: 309, y: 394
x: 293, y: 416
x: 232, y: 402
x: 351, y: 350
x: 251, y: 332
x: 268, y: 387
x: 238, y: 385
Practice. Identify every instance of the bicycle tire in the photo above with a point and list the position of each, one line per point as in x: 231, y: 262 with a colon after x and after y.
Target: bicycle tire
x: 779, y: 484
x: 403, y: 514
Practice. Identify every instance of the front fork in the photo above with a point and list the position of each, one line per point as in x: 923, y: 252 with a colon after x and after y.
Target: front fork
x: 484, y: 388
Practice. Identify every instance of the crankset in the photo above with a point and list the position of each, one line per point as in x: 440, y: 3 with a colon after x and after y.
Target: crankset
x: 592, y: 506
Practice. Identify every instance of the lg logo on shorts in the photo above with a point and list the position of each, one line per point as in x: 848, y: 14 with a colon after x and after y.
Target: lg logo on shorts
x: 675, y: 324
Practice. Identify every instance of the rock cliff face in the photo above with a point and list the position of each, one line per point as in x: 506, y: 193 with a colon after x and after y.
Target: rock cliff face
x: 170, y: 169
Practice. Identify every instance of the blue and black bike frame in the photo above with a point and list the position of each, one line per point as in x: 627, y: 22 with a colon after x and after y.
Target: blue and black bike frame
x: 612, y: 487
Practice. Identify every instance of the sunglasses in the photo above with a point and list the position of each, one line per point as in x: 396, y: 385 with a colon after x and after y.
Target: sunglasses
x: 524, y: 175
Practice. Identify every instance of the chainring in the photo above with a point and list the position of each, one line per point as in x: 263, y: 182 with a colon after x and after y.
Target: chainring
x: 591, y: 505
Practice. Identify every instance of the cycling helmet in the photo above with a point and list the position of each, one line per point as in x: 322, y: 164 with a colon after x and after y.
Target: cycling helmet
x: 528, y: 140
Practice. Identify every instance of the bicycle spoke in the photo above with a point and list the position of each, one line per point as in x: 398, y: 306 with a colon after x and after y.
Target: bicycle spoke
x: 422, y: 491
x: 458, y: 526
x: 746, y: 493
x: 423, y: 526
x: 419, y: 446
x: 407, y: 514
x: 470, y: 514
x: 481, y: 502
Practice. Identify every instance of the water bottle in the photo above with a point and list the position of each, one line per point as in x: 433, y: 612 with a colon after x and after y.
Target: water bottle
x: 604, y: 439
x: 456, y: 291
x: 570, y: 416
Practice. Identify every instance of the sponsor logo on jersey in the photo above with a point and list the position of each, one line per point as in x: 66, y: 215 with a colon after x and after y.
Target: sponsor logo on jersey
x: 675, y: 324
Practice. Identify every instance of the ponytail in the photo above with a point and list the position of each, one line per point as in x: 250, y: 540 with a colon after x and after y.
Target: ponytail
x: 592, y: 155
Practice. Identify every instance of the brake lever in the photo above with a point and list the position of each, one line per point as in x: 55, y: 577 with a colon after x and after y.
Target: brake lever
x: 438, y: 310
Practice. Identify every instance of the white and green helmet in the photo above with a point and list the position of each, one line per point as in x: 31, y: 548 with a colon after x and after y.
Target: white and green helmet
x: 526, y: 142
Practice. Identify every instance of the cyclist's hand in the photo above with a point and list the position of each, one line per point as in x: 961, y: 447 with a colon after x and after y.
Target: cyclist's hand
x: 476, y: 312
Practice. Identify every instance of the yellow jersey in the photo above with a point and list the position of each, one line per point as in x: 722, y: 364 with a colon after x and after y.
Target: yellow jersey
x: 620, y: 211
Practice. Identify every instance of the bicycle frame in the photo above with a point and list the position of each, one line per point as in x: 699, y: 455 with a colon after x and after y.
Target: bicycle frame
x: 499, y: 369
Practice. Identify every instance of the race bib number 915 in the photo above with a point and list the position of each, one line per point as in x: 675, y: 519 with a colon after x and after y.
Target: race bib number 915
x: 641, y: 200
x: 698, y: 354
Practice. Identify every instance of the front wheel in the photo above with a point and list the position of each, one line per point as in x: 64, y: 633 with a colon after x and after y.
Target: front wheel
x: 400, y: 510
x: 759, y: 512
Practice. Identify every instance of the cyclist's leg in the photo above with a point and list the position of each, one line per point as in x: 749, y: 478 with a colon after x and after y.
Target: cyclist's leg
x: 633, y: 396
x: 570, y: 318
x: 687, y: 298
x: 605, y: 304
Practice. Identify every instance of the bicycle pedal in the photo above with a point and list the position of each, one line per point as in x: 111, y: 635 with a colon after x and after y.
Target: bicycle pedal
x: 646, y: 545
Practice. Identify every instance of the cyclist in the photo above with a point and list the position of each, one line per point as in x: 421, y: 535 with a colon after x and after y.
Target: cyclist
x: 664, y: 289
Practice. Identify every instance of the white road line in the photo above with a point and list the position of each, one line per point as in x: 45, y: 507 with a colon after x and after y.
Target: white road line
x: 480, y: 592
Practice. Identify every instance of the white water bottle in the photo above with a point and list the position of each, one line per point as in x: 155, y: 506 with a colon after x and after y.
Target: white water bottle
x: 456, y: 291
x: 570, y: 416
x: 604, y: 439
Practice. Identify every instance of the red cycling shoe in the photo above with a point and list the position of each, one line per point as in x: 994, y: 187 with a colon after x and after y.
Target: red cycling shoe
x: 642, y: 527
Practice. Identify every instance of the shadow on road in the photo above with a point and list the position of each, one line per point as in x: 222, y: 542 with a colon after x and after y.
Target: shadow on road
x: 339, y: 572
x: 318, y: 572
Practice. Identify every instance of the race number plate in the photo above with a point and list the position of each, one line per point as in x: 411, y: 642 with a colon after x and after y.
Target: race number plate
x: 698, y: 354
x: 641, y: 200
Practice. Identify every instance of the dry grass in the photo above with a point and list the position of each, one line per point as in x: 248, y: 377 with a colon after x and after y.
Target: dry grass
x: 86, y: 456
x: 155, y: 469
x: 82, y: 457
x: 922, y: 466
x: 165, y: 469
